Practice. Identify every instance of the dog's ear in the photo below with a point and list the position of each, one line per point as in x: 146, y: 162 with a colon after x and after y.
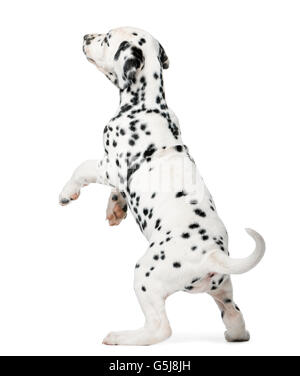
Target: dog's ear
x: 163, y: 58
x: 132, y: 62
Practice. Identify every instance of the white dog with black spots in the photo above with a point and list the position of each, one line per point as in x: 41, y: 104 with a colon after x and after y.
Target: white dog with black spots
x: 151, y: 173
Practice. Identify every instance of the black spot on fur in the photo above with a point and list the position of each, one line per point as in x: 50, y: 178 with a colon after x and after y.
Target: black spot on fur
x: 142, y: 41
x: 157, y: 223
x: 200, y: 212
x: 180, y: 194
x: 149, y: 151
x: 126, y: 107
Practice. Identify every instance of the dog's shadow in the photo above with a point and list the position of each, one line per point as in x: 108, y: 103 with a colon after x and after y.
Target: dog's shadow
x: 196, y: 337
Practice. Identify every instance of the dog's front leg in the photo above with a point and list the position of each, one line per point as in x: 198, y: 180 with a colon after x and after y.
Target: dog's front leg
x: 116, y: 208
x: 92, y: 171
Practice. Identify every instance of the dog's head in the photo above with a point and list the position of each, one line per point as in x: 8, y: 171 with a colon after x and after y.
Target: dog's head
x: 122, y: 53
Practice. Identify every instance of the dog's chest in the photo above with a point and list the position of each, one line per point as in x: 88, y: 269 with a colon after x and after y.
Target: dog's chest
x: 128, y: 142
x: 124, y: 134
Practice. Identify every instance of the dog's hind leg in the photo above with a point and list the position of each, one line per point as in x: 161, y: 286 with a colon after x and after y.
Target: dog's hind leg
x: 156, y: 328
x: 91, y: 171
x: 231, y: 314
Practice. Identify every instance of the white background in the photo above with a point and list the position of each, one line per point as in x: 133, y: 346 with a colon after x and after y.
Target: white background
x: 66, y: 277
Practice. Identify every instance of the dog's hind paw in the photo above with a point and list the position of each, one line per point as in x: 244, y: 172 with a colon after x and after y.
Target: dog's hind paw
x: 129, y: 337
x: 244, y: 337
x: 140, y: 337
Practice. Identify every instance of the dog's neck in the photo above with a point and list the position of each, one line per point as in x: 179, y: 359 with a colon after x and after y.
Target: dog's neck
x: 147, y: 92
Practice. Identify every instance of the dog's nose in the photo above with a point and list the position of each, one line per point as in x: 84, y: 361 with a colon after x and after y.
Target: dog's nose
x: 86, y: 36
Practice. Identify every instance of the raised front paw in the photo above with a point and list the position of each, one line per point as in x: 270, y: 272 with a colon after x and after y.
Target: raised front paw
x: 115, y: 214
x: 70, y: 192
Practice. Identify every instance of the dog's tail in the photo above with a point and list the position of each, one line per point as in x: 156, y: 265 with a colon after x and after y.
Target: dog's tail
x: 219, y: 262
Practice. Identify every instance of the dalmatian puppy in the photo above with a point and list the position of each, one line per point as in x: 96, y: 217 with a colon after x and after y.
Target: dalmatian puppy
x: 152, y: 173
